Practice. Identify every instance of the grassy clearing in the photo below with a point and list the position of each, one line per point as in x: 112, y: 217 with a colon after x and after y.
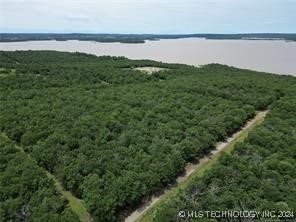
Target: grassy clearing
x: 6, y: 72
x: 76, y: 204
x: 149, y: 214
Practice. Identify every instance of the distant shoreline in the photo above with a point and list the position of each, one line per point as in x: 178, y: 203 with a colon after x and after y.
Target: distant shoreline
x: 138, y: 38
x: 273, y: 56
x: 145, y: 41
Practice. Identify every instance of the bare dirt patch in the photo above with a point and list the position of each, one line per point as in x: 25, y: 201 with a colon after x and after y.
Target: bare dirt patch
x: 150, y: 70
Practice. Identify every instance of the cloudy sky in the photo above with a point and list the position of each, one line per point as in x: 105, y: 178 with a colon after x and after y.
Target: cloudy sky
x: 148, y: 16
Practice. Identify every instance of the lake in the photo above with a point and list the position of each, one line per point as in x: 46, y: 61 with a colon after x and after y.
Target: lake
x: 275, y: 56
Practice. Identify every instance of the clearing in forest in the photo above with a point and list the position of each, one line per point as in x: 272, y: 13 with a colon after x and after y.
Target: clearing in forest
x: 150, y: 70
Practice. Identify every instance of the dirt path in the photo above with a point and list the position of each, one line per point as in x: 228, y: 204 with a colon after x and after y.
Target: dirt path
x: 198, y: 166
x: 76, y: 205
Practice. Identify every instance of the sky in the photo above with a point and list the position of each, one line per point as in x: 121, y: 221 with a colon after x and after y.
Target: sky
x: 148, y: 16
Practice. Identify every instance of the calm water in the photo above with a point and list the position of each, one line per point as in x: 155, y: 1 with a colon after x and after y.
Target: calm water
x: 262, y: 55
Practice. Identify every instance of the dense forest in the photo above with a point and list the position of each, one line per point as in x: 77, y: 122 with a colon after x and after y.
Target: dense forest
x: 26, y: 194
x: 114, y: 135
x: 135, y: 38
x: 258, y: 175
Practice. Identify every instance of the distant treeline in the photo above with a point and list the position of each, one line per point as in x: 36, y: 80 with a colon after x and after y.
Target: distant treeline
x: 134, y: 38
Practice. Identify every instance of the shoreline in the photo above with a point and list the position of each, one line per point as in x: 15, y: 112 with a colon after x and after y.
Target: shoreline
x: 270, y: 56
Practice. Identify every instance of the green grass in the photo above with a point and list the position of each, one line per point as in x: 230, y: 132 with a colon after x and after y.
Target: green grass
x: 76, y: 205
x: 3, y: 72
x: 148, y: 216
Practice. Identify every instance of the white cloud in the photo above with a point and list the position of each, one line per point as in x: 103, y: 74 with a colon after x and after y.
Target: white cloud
x: 158, y: 16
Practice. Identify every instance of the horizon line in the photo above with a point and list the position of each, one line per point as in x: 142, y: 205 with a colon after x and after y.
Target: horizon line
x: 116, y: 33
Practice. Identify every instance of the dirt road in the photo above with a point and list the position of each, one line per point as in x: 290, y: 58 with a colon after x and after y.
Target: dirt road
x: 198, y: 166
